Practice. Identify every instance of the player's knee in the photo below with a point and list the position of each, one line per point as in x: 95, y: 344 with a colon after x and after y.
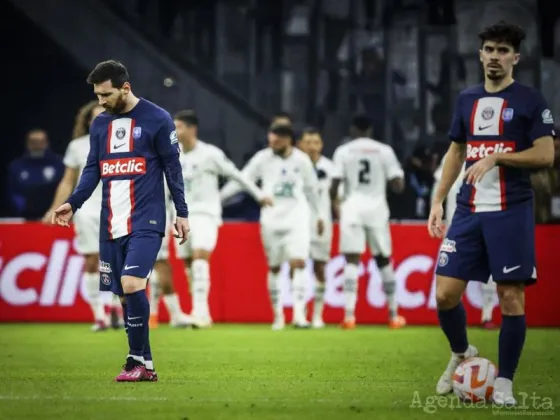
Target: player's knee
x: 449, y: 291
x: 297, y: 263
x: 132, y: 284
x: 319, y: 269
x: 512, y: 299
x: 382, y: 261
x: 352, y: 258
x: 201, y: 254
x: 274, y: 270
x: 91, y: 263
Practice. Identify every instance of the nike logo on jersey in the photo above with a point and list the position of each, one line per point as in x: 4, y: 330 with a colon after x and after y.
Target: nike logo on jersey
x: 510, y: 269
x: 118, y: 146
x: 129, y: 267
x: 480, y: 127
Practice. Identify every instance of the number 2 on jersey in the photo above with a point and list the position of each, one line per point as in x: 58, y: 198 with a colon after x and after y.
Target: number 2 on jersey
x: 364, y: 173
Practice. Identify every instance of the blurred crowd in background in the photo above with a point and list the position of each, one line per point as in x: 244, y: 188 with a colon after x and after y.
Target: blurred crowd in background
x: 241, y: 63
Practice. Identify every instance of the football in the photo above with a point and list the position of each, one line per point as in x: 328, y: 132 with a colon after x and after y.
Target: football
x: 474, y: 378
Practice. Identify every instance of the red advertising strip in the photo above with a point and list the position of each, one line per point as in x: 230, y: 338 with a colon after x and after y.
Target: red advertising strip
x: 40, y: 278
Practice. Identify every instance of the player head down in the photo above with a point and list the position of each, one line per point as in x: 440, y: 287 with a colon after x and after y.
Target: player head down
x: 111, y: 84
x: 499, y: 50
x: 280, y: 139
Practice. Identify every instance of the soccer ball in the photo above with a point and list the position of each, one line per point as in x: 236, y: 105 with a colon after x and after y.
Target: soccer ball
x: 474, y: 378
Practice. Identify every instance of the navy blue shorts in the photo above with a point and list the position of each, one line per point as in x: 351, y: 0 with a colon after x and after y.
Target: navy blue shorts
x: 131, y: 255
x: 501, y: 244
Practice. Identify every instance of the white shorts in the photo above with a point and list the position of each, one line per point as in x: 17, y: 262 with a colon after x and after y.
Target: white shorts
x: 86, y: 227
x: 320, y: 249
x: 203, y: 235
x: 163, y: 254
x: 353, y: 239
x: 285, y: 245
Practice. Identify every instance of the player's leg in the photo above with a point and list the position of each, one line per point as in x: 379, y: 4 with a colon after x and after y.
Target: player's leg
x: 462, y: 258
x: 117, y: 313
x: 140, y: 255
x: 154, y: 294
x: 274, y: 251
x: 91, y: 282
x: 164, y: 275
x: 203, y: 237
x: 352, y: 246
x: 509, y: 237
x: 297, y: 246
x: 379, y: 241
x: 320, y: 255
x: 488, y: 290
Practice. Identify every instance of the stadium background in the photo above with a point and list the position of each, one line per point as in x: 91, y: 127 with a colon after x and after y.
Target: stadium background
x: 238, y: 63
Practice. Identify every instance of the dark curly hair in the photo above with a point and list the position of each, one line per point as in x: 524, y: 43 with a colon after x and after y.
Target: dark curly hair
x: 503, y: 32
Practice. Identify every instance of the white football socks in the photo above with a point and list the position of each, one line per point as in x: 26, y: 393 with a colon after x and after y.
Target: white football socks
x: 201, y: 288
x: 275, y: 297
x: 390, y: 289
x: 172, y: 304
x: 350, y: 290
x: 95, y: 302
x: 155, y: 292
x: 319, y: 301
x: 487, y: 291
x: 298, y: 289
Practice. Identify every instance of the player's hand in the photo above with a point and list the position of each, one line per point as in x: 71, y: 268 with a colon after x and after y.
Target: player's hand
x: 436, y: 228
x: 320, y: 227
x: 48, y: 218
x: 266, y: 202
x: 477, y: 171
x: 62, y: 215
x: 182, y: 227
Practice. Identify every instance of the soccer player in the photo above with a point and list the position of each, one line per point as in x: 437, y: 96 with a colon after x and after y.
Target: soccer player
x: 161, y: 283
x: 132, y: 145
x: 86, y: 223
x: 502, y: 129
x: 202, y: 165
x: 288, y: 175
x: 365, y: 166
x: 320, y: 252
x: 487, y: 289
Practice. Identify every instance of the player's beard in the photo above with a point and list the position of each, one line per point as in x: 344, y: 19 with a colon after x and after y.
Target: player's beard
x: 281, y: 151
x: 120, y: 104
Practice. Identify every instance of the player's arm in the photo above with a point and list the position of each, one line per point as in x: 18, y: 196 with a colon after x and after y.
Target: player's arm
x: 251, y: 172
x: 167, y: 148
x: 393, y: 171
x: 337, y: 175
x: 455, y: 156
x: 541, y: 133
x: 228, y: 169
x: 90, y: 175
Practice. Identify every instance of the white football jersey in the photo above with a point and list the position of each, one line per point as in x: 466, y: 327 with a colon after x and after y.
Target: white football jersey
x: 365, y: 166
x: 451, y: 201
x: 76, y: 158
x: 292, y: 184
x: 201, y: 168
x: 324, y: 168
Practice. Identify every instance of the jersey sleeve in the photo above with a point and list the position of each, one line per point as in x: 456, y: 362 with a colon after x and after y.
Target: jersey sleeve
x: 458, y: 130
x: 338, y: 164
x: 542, y: 123
x: 167, y: 148
x: 71, y: 159
x: 251, y: 171
x: 227, y: 168
x: 392, y: 165
x: 90, y: 175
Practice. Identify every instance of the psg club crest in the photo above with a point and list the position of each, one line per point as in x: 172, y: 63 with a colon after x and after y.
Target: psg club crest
x: 121, y: 132
x: 487, y: 113
x: 507, y: 114
x: 136, y: 132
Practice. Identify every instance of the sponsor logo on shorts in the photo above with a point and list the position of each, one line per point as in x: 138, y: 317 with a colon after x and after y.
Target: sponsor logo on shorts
x: 477, y: 150
x: 123, y: 166
x: 104, y: 267
x: 448, y: 246
x: 105, y: 279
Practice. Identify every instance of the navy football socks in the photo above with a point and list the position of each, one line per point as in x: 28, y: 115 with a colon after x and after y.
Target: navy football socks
x: 138, y: 310
x: 454, y: 325
x: 511, y: 341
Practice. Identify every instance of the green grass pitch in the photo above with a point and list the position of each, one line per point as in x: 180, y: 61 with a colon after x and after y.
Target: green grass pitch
x: 250, y: 372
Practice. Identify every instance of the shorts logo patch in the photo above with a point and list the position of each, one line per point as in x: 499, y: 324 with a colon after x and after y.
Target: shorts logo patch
x: 448, y: 246
x: 104, y: 267
x: 106, y: 279
x: 443, y: 259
